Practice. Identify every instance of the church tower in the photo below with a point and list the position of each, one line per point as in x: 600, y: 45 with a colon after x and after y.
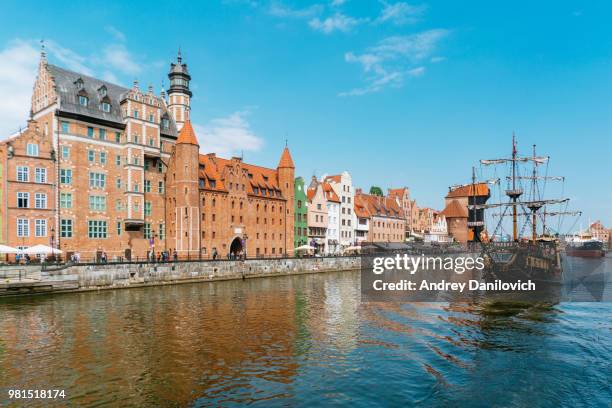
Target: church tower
x: 179, y: 95
x: 182, y: 181
x: 286, y: 182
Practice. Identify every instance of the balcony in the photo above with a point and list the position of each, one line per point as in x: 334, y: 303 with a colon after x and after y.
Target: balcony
x: 133, y: 224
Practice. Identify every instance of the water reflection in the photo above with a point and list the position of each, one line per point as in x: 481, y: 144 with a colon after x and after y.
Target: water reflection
x: 300, y: 341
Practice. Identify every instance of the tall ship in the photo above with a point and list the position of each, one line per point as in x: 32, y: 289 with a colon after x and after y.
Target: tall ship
x: 533, y: 250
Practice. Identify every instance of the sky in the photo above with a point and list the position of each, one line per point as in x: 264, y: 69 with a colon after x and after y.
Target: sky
x: 397, y: 93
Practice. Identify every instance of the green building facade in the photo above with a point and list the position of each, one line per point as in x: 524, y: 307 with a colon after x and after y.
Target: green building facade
x: 300, y: 214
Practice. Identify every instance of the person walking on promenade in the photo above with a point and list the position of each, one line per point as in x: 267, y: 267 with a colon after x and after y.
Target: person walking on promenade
x: 175, y: 255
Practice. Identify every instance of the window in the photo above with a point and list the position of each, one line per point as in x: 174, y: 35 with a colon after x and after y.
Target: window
x: 66, y: 176
x: 147, y: 230
x: 65, y: 152
x: 102, y: 133
x: 147, y: 186
x: 162, y: 231
x: 117, y: 160
x: 40, y: 228
x: 90, y: 132
x: 83, y: 100
x: 118, y: 183
x: 151, y: 141
x: 106, y: 106
x: 102, y: 157
x: 23, y: 173
x: 40, y: 175
x: 160, y: 166
x: 65, y: 228
x: 147, y: 208
x: 96, y: 229
x: 23, y: 227
x: 136, y: 113
x: 40, y: 200
x: 165, y: 123
x: 97, y: 203
x: 136, y: 161
x: 91, y: 156
x: 65, y: 200
x: 118, y: 205
x: 151, y: 117
x: 135, y: 139
x: 97, y: 180
x: 146, y: 164
x: 118, y: 227
x: 23, y: 200
x: 135, y: 187
x: 32, y: 149
x: 160, y: 187
x: 118, y: 137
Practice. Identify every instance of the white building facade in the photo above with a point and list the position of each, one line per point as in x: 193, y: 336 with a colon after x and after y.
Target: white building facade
x: 343, y: 186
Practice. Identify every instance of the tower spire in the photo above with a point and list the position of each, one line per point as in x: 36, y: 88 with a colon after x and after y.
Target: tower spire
x: 179, y: 58
x: 43, y: 52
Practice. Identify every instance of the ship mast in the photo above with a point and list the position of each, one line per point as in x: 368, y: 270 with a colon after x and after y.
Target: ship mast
x: 515, y: 193
x: 534, y: 206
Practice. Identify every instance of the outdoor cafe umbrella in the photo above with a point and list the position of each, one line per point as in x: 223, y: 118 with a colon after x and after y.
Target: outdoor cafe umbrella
x: 41, y: 249
x: 4, y: 249
x: 304, y: 248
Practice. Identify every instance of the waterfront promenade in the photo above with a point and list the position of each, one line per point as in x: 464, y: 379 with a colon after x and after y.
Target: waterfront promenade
x: 34, y: 279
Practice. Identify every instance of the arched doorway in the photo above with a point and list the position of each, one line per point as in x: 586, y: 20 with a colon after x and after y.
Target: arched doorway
x: 236, y: 247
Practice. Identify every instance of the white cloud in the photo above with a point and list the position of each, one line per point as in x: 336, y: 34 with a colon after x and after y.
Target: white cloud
x: 119, y: 36
x: 400, y: 13
x: 18, y: 65
x: 119, y: 58
x: 68, y: 58
x: 281, y: 10
x: 337, y: 3
x: 437, y: 59
x: 337, y: 22
x: 393, y: 59
x: 228, y: 135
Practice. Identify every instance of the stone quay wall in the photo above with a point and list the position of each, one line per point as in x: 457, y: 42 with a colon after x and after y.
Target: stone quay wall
x: 83, y: 277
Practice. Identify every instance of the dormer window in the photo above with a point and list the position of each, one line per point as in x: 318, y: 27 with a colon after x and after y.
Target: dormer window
x: 83, y: 100
x: 103, y: 91
x: 165, y: 123
x: 79, y: 84
x: 106, y: 107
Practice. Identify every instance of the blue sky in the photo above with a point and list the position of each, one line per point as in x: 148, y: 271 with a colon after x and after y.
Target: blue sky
x: 398, y: 93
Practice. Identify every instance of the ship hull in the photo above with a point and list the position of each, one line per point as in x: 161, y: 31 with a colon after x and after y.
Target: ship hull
x: 584, y: 253
x: 587, y: 249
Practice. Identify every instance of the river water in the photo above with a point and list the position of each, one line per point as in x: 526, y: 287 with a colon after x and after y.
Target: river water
x: 301, y: 341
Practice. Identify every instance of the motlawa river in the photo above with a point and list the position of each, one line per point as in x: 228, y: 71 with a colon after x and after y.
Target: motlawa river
x: 304, y: 340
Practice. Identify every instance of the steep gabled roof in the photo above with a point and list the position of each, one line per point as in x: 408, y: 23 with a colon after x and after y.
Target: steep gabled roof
x: 187, y: 135
x: 286, y: 161
x: 330, y: 194
x: 455, y: 210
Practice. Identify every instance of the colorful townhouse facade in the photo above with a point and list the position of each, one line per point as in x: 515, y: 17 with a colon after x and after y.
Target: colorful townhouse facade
x: 343, y: 187
x: 105, y: 169
x: 332, y: 235
x: 386, y: 221
x: 300, y: 214
x: 317, y: 215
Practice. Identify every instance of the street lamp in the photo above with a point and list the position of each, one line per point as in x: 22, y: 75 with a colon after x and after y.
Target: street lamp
x: 53, y: 243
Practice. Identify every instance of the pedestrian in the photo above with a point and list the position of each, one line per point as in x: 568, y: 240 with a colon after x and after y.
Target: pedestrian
x: 175, y: 255
x: 214, y: 254
x: 158, y: 256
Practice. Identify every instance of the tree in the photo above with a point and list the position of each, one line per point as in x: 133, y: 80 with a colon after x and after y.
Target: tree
x: 375, y: 190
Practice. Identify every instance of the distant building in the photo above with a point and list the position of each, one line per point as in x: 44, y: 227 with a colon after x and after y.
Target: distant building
x: 362, y: 224
x: 386, y: 220
x: 438, y: 231
x: 343, y: 186
x: 456, y: 216
x: 301, y: 214
x: 463, y: 196
x: 402, y: 196
x: 332, y: 236
x: 598, y: 231
x: 317, y: 215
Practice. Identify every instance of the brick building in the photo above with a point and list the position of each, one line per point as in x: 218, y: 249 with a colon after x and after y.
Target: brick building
x: 91, y: 174
x: 386, y: 221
